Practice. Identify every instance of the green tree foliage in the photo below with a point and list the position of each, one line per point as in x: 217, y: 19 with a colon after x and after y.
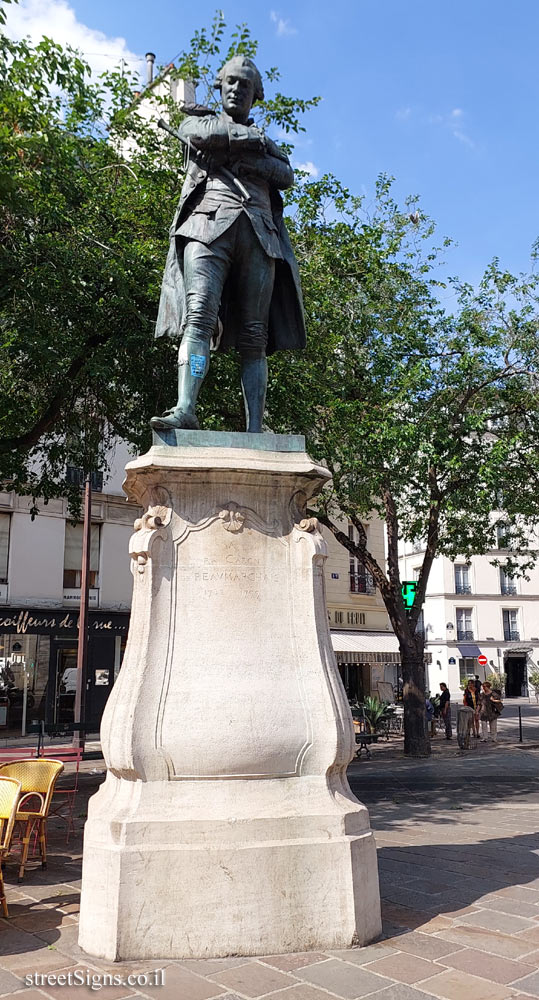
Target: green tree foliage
x: 83, y: 241
x: 430, y: 420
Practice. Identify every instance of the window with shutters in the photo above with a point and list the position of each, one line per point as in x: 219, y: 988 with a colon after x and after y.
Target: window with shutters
x: 502, y: 535
x: 73, y: 556
x: 467, y: 668
x: 508, y: 583
x: 4, y: 546
x: 511, y: 631
x: 462, y: 579
x: 464, y: 624
x: 361, y: 581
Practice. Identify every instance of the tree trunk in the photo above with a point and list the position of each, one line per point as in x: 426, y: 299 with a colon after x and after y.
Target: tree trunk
x: 416, y: 740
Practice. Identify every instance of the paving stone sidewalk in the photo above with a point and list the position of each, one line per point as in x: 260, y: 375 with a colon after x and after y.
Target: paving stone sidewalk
x: 458, y: 849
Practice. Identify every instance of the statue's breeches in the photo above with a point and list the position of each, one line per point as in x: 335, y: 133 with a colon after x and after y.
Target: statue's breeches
x: 236, y: 253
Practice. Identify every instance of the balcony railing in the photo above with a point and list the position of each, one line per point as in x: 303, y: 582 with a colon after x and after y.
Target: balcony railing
x: 463, y: 588
x: 464, y: 635
x: 362, y: 583
x: 77, y: 477
x: 510, y: 635
x: 508, y: 589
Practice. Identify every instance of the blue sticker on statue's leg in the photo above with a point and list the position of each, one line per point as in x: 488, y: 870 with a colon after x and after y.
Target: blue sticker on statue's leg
x: 198, y: 365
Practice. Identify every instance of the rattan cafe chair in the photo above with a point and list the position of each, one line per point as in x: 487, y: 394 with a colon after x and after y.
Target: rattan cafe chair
x: 10, y: 790
x: 37, y: 778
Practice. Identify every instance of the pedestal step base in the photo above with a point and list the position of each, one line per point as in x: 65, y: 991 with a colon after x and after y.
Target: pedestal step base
x: 205, y: 901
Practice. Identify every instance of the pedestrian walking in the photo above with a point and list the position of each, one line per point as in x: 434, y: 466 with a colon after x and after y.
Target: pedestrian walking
x: 445, y: 710
x: 477, y: 687
x: 490, y: 707
x: 471, y: 700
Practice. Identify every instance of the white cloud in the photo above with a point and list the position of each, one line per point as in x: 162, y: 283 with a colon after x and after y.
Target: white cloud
x: 462, y: 137
x: 57, y: 20
x: 282, y: 24
x: 454, y: 121
x: 309, y: 167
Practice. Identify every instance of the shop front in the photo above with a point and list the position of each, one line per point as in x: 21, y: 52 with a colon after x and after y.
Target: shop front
x: 367, y: 660
x: 38, y: 665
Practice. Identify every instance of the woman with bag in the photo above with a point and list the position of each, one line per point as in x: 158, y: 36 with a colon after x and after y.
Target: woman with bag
x: 490, y: 707
x: 471, y: 700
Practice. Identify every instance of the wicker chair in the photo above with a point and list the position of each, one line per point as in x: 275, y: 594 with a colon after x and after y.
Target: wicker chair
x: 37, y: 778
x: 10, y: 789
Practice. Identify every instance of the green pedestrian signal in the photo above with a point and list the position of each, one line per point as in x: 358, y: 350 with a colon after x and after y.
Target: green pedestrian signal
x: 408, y: 590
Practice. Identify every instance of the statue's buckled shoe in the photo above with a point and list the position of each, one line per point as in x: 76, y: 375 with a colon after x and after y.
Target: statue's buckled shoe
x: 175, y: 420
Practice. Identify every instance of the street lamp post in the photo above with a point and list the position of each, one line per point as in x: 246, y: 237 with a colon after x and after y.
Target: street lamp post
x: 82, y: 647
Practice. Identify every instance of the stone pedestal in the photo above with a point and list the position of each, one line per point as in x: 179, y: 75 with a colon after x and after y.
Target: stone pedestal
x: 226, y: 825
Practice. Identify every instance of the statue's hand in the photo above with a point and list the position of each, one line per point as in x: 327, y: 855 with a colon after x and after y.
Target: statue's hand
x: 274, y: 150
x: 204, y: 160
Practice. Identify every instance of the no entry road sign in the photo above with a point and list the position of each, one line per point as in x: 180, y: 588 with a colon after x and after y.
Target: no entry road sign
x: 482, y: 660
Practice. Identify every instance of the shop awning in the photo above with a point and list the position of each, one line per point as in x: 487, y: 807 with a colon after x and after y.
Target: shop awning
x: 366, y: 647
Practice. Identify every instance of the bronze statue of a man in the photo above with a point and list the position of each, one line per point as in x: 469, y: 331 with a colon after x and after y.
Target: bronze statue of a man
x: 231, y: 278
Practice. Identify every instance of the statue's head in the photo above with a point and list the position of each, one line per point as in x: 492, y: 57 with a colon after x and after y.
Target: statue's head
x: 241, y: 85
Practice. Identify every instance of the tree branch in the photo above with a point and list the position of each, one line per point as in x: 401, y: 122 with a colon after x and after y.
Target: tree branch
x: 430, y: 551
x: 23, y: 442
x: 361, y: 552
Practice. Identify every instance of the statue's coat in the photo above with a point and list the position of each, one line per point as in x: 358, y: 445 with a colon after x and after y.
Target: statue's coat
x: 286, y: 320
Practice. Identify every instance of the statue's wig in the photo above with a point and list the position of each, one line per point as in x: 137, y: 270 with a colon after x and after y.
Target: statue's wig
x: 238, y: 63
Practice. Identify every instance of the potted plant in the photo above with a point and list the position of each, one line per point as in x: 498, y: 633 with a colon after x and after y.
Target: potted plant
x: 497, y: 681
x: 375, y: 712
x: 533, y: 680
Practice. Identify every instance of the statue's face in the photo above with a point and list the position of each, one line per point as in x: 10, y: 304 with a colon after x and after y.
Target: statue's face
x: 237, y: 93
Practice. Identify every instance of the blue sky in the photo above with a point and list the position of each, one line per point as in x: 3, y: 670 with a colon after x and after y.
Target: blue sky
x: 443, y: 96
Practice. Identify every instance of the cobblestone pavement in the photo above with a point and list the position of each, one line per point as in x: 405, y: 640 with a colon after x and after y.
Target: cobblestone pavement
x: 458, y: 852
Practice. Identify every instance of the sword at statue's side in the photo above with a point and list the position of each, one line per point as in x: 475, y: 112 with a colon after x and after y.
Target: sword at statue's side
x: 222, y: 170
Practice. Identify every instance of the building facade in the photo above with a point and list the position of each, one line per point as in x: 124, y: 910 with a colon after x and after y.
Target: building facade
x: 365, y: 646
x: 476, y: 610
x: 40, y: 562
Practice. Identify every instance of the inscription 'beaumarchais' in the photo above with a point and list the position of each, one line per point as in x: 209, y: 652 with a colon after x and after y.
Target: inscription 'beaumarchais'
x: 227, y: 575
